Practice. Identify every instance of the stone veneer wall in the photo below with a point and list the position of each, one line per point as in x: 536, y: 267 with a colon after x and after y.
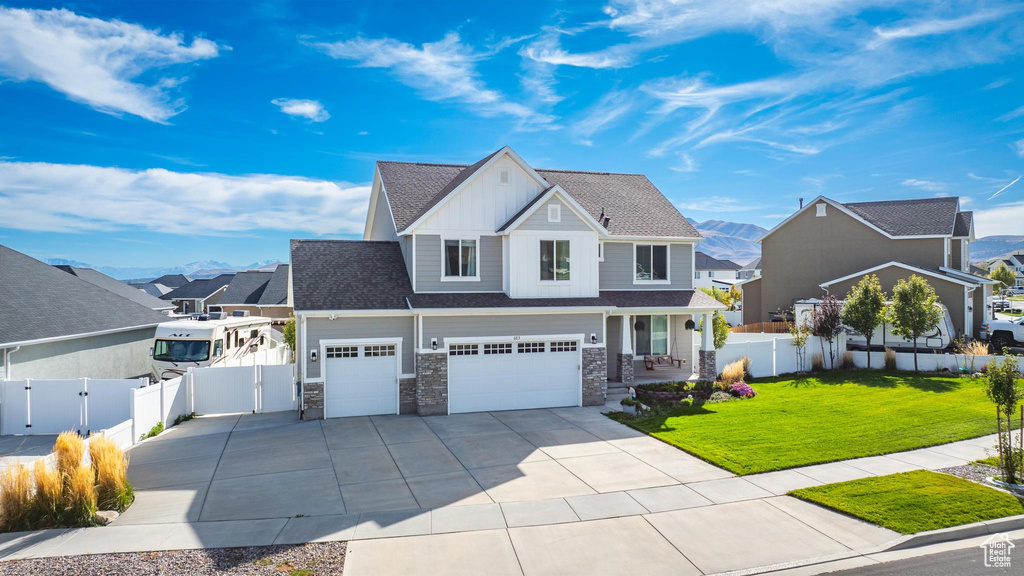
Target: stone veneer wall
x: 313, y: 400
x: 708, y: 367
x: 624, y: 368
x: 431, y: 383
x: 595, y: 376
x: 407, y: 396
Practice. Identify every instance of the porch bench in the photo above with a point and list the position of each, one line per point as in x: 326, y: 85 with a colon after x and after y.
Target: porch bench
x: 662, y: 362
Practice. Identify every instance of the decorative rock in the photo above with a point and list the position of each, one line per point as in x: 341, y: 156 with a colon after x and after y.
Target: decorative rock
x: 105, y: 517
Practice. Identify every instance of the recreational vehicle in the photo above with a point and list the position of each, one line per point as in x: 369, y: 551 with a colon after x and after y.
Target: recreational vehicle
x: 938, y: 338
x: 200, y: 342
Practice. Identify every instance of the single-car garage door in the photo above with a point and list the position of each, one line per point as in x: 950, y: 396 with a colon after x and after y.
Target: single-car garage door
x: 518, y: 375
x: 361, y: 380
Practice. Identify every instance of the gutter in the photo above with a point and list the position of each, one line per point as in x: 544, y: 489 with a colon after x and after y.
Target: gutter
x: 82, y: 335
x: 7, y: 361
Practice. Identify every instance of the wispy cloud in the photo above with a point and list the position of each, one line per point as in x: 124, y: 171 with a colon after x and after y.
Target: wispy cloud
x: 1012, y: 114
x: 1019, y: 145
x: 602, y: 115
x: 1001, y: 219
x: 441, y: 71
x: 928, y: 185
x: 308, y: 109
x: 100, y: 63
x: 81, y: 198
x: 937, y: 26
x: 717, y: 204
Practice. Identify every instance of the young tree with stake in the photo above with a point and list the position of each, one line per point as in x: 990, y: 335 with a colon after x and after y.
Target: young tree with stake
x: 864, y: 309
x: 914, y: 310
x: 828, y: 325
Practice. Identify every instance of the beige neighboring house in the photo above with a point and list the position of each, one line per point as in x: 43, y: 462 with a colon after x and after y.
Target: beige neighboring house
x: 828, y: 246
x: 258, y: 292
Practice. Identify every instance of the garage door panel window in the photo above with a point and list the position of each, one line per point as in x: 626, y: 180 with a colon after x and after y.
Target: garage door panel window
x: 379, y: 351
x: 531, y: 347
x: 463, y: 350
x: 569, y: 346
x: 342, y: 352
x: 498, y: 348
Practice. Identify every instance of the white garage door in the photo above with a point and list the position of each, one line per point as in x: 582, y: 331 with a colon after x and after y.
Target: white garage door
x: 513, y: 375
x: 361, y: 380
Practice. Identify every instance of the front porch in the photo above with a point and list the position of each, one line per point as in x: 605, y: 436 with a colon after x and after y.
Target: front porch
x: 648, y: 347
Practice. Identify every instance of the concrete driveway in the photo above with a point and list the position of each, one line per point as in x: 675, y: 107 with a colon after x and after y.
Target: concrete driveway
x: 262, y: 466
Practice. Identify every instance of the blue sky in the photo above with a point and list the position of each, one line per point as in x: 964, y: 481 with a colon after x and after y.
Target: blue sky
x: 154, y: 134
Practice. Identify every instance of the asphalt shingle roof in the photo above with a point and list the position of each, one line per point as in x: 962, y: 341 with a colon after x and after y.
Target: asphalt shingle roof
x: 38, y: 301
x: 246, y: 287
x: 171, y: 280
x: 117, y: 287
x: 753, y: 265
x: 962, y: 227
x: 348, y: 275
x: 276, y: 292
x: 919, y: 217
x: 704, y: 262
x: 608, y: 298
x: 634, y: 206
x: 198, y: 289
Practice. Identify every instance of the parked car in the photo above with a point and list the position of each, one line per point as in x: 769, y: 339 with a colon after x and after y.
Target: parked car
x: 999, y: 305
x: 1003, y: 333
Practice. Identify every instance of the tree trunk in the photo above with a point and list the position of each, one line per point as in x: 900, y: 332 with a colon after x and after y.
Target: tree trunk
x: 915, y: 355
x: 869, y: 348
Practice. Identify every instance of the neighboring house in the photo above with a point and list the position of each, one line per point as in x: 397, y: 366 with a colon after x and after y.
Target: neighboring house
x: 260, y: 293
x: 829, y: 246
x: 162, y: 285
x: 117, y: 287
x: 196, y: 296
x: 1015, y: 262
x: 55, y: 325
x: 495, y: 287
x: 751, y: 270
x: 713, y: 273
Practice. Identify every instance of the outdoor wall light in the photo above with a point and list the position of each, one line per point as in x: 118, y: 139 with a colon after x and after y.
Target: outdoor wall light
x: 433, y: 343
x: 593, y: 338
x: 312, y: 355
x: 690, y: 325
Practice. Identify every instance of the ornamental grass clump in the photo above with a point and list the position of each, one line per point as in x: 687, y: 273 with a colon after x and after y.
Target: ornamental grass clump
x: 817, y: 363
x: 734, y: 371
x: 113, y: 492
x: 890, y: 359
x: 69, y: 448
x: 80, y: 496
x: 847, y: 362
x: 15, y: 498
x: 48, y: 500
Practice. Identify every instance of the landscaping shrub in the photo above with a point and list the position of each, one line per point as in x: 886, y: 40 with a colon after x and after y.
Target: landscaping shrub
x: 719, y: 396
x: 48, y: 501
x: 890, y: 359
x: 69, y: 449
x: 742, y: 390
x: 847, y: 361
x: 154, y: 431
x: 817, y: 363
x: 15, y: 498
x: 734, y: 372
x: 113, y: 492
x: 80, y: 496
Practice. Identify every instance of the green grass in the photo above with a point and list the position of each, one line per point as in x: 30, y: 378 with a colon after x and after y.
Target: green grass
x: 914, y: 501
x: 796, y: 421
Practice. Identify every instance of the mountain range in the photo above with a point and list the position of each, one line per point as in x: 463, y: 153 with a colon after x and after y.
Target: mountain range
x: 990, y: 247
x: 194, y: 270
x: 734, y: 241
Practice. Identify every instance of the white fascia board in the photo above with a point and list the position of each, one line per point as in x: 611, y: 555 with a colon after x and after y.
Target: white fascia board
x: 565, y: 197
x: 851, y: 214
x: 967, y: 276
x: 77, y: 336
x: 668, y: 239
x: 505, y: 151
x: 747, y: 281
x: 510, y: 311
x: 328, y: 313
x: 906, y: 267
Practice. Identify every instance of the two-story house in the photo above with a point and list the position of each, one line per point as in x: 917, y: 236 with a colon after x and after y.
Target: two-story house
x: 1015, y: 262
x: 828, y: 246
x: 495, y: 286
x: 711, y: 272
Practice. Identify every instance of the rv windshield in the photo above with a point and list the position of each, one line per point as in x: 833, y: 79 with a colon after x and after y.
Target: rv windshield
x: 182, y: 350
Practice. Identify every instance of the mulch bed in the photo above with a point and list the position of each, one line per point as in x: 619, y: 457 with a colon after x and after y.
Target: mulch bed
x: 298, y: 560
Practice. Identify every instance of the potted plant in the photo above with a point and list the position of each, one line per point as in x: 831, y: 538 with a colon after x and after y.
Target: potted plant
x: 628, y: 405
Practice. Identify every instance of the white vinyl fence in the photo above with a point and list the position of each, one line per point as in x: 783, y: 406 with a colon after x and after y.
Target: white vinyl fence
x: 927, y: 361
x: 273, y: 355
x: 53, y: 406
x: 772, y: 354
x: 259, y: 388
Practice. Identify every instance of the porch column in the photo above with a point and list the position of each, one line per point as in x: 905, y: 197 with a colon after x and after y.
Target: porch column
x: 624, y: 359
x: 708, y: 369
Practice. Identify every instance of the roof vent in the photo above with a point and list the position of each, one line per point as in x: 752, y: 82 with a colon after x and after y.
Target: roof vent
x: 503, y: 176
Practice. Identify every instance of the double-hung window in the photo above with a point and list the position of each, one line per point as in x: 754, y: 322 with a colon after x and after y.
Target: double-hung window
x: 554, y: 260
x: 651, y: 263
x: 460, y: 259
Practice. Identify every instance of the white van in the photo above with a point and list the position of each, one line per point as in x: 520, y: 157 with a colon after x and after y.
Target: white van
x: 195, y: 343
x: 938, y: 338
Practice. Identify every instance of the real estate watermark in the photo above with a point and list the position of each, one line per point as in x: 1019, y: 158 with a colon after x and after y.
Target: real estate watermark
x: 997, y: 549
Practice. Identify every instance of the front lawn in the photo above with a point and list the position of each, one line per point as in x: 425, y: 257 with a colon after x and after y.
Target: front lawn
x: 914, y: 501
x: 801, y: 420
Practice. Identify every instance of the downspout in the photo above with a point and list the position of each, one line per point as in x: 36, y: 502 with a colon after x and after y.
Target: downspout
x: 7, y: 361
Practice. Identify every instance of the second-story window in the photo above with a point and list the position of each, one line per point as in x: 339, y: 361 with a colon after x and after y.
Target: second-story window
x: 554, y: 260
x: 460, y: 259
x: 651, y: 262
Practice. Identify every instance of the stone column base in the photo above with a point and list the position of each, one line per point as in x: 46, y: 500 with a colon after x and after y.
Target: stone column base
x: 595, y: 376
x: 313, y: 400
x: 624, y: 368
x: 407, y: 396
x: 708, y: 367
x: 431, y: 383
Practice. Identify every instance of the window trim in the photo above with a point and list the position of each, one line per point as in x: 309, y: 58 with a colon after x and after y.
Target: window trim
x: 555, y: 242
x: 668, y: 263
x: 650, y: 332
x: 460, y: 239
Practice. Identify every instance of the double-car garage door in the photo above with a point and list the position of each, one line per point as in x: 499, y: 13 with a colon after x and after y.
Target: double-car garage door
x: 362, y: 379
